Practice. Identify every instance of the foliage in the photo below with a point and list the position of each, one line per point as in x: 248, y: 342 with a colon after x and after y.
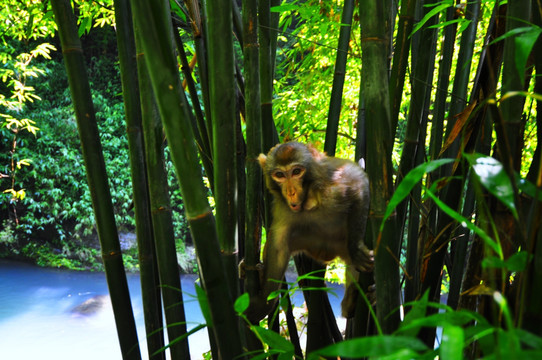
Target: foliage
x: 305, y: 65
x: 56, y: 221
x: 16, y: 75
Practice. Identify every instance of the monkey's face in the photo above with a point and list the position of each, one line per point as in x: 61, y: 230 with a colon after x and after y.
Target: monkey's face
x: 287, y: 168
x: 290, y: 180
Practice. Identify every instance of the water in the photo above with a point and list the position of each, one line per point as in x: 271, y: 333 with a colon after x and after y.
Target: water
x: 37, y: 321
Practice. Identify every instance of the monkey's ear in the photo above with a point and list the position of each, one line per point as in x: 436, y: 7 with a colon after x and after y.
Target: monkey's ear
x: 262, y: 159
x: 315, y: 153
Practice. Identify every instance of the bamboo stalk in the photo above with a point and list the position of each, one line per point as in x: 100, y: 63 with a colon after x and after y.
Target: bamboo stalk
x: 266, y: 76
x: 400, y: 58
x: 518, y: 14
x: 97, y: 179
x: 424, y: 50
x: 223, y: 109
x: 422, y: 80
x: 151, y: 18
x: 445, y: 66
x: 254, y: 145
x: 373, y: 15
x: 199, y: 127
x: 338, y: 78
x: 461, y: 80
x: 453, y: 193
x: 197, y: 21
x: 161, y: 213
x: 150, y: 291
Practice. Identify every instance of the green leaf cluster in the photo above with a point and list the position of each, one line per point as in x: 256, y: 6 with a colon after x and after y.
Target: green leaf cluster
x: 56, y: 221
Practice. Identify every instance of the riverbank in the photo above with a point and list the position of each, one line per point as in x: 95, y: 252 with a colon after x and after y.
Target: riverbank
x: 88, y: 257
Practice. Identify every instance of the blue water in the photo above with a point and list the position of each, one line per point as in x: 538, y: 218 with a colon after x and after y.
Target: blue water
x: 36, y: 322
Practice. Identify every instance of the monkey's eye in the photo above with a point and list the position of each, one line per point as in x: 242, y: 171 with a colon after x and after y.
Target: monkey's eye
x: 279, y: 174
x: 296, y: 171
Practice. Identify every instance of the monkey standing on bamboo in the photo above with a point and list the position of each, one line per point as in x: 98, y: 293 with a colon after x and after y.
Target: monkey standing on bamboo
x: 320, y: 207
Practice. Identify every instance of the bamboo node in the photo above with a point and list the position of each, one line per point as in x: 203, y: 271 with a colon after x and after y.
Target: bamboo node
x: 69, y: 49
x: 112, y: 254
x: 133, y: 129
x: 375, y: 39
x: 161, y: 209
x: 199, y: 216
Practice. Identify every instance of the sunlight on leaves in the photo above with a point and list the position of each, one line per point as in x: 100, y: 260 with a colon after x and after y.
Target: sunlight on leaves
x: 492, y: 176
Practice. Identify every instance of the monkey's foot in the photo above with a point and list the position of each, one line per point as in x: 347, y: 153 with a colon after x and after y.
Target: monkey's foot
x: 243, y: 268
x: 351, y: 294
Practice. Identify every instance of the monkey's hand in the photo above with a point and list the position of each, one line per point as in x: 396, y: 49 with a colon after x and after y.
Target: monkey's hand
x: 363, y: 258
x: 242, y: 268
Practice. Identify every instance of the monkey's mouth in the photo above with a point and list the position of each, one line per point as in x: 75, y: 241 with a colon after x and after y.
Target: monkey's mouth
x: 295, y: 207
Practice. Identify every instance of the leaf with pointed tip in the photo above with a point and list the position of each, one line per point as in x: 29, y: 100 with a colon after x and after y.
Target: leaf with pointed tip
x: 409, y: 181
x: 492, y: 176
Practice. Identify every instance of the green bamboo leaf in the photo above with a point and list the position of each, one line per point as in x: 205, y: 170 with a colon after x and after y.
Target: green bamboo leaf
x: 85, y: 26
x: 528, y: 338
x: 418, y: 311
x: 177, y: 9
x: 453, y: 338
x: 446, y: 23
x: 437, y: 9
x: 369, y: 346
x: 408, y: 183
x: 462, y: 25
x: 274, y: 341
x: 180, y: 338
x: 529, y: 188
x: 524, y: 44
x: 516, y: 262
x: 492, y: 176
x: 492, y: 262
x: 525, y: 38
x: 466, y: 222
x: 284, y: 8
x: 513, y: 32
x: 242, y: 303
x: 449, y: 317
x: 204, y: 305
x: 500, y: 299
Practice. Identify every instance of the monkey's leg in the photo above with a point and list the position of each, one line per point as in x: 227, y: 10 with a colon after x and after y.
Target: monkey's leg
x: 275, y: 262
x: 351, y: 292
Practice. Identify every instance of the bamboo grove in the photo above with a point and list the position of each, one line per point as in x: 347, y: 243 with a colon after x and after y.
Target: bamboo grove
x: 459, y: 208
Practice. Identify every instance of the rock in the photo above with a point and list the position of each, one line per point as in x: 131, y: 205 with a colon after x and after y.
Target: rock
x: 91, y: 306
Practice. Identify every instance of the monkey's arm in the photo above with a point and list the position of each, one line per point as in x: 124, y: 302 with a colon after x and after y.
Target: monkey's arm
x: 358, y: 212
x: 275, y: 261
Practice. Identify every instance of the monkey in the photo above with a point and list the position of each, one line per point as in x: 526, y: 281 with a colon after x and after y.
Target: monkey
x: 320, y: 207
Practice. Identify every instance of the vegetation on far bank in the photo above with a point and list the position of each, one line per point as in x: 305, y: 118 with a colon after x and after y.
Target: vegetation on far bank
x: 50, y: 220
